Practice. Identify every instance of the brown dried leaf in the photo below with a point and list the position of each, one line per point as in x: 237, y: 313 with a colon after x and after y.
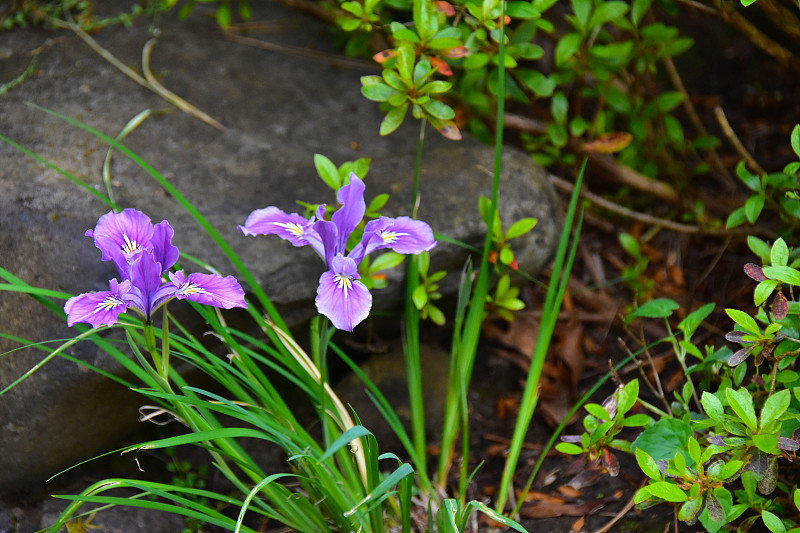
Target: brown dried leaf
x: 611, y: 463
x: 608, y: 143
x: 780, y: 306
x: 754, y: 272
x: 534, y: 496
x: 554, y: 510
x: 569, y: 491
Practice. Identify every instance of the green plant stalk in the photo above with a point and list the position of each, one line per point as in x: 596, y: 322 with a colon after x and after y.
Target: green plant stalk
x: 468, y: 344
x: 412, y: 318
x: 165, y: 345
x: 129, y: 127
x: 319, y: 353
x: 680, y: 354
x: 321, y: 336
x: 555, y: 294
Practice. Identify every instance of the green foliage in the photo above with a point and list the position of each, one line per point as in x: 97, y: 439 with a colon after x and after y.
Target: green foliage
x: 605, y: 56
x: 602, y: 427
x: 427, y: 291
x: 777, y: 192
x: 31, y: 13
x: 407, y: 82
x: 695, y: 456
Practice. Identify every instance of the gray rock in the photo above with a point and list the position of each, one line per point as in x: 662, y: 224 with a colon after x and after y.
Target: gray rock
x: 280, y: 109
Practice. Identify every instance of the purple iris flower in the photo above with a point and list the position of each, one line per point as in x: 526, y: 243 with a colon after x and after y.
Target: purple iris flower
x: 142, y: 254
x: 341, y: 297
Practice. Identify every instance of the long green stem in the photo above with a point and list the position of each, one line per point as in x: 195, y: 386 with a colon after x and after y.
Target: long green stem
x: 319, y: 351
x: 555, y: 294
x: 468, y: 344
x: 412, y: 356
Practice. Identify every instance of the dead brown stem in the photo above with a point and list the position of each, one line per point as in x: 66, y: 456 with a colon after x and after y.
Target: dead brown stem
x: 734, y: 140
x: 729, y: 14
x: 726, y: 179
x: 602, y: 163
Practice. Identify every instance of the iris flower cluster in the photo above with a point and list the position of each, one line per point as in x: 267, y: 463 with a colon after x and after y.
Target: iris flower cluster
x: 341, y: 297
x: 143, y: 253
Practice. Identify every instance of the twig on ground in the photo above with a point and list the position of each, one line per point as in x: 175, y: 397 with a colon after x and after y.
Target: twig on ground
x: 334, y: 59
x: 603, y: 163
x: 642, y: 217
x: 728, y: 13
x: 153, y: 85
x: 734, y: 140
x: 311, y: 8
x: 700, y: 7
x: 622, y: 512
x: 781, y: 17
x: 727, y: 180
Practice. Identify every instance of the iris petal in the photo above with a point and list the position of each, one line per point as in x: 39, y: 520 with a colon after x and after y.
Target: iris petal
x: 347, y: 217
x: 208, y: 289
x: 163, y: 249
x: 341, y: 296
x: 146, y: 282
x: 288, y: 226
x: 403, y: 235
x: 126, y: 233
x: 98, y: 308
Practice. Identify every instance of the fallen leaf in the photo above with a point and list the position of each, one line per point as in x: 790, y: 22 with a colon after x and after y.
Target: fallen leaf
x: 534, y: 496
x: 578, y: 524
x: 608, y: 143
x: 568, y: 491
x: 554, y: 510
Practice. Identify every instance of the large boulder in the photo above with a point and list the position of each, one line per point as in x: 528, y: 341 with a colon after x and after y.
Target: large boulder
x: 279, y: 108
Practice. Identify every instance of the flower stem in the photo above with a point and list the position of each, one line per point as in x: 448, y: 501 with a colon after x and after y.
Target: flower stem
x: 165, y: 346
x: 412, y: 356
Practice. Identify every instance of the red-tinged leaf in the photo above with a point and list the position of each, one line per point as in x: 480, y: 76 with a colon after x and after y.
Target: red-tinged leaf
x: 736, y: 335
x: 780, y: 306
x: 450, y: 130
x: 770, y: 479
x: 506, y: 18
x: 754, y: 271
x: 441, y: 66
x: 380, y: 57
x: 611, y: 463
x: 739, y: 356
x: 714, y: 508
x: 446, y: 8
x: 608, y: 143
x: 788, y: 444
x: 456, y: 51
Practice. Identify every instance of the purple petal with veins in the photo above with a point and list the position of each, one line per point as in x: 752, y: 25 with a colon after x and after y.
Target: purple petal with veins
x: 99, y: 308
x: 208, y: 289
x: 341, y: 296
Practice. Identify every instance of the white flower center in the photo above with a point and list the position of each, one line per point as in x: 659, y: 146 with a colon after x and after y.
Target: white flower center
x: 343, y: 281
x: 292, y: 227
x: 190, y: 288
x: 390, y: 236
x: 109, y: 303
x: 130, y: 246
